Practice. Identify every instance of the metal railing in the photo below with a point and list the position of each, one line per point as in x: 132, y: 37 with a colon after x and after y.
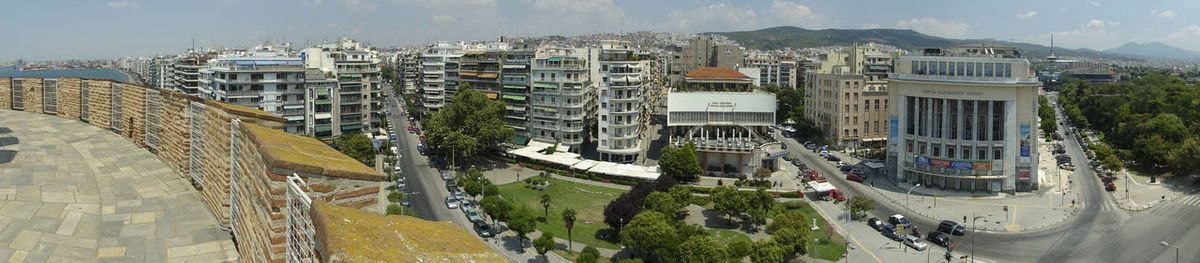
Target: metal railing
x: 301, y: 234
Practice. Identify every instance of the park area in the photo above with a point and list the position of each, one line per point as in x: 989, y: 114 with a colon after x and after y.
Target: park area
x: 587, y: 200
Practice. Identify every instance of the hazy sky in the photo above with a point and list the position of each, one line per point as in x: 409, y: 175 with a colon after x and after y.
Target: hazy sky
x: 48, y: 29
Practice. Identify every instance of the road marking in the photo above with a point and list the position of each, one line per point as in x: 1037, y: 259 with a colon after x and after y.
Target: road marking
x: 838, y: 225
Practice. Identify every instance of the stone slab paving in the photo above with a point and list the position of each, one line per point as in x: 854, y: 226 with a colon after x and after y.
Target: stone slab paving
x: 76, y: 193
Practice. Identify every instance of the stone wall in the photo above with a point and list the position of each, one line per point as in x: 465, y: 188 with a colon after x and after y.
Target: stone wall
x: 236, y: 157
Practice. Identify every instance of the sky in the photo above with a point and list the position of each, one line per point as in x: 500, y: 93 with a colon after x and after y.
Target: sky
x: 52, y: 29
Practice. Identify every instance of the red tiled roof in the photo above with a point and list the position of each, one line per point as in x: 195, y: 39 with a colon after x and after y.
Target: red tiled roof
x: 714, y: 73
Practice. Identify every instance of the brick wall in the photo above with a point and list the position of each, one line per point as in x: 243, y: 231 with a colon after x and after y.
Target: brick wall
x: 258, y: 221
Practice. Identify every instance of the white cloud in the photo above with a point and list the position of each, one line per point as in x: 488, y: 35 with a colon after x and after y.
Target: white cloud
x: 1187, y: 37
x: 1027, y: 15
x: 1094, y: 3
x: 1164, y: 14
x: 122, y: 4
x: 576, y: 17
x: 718, y: 17
x: 871, y: 26
x: 359, y: 5
x: 1092, y: 34
x: 931, y: 26
x: 793, y: 14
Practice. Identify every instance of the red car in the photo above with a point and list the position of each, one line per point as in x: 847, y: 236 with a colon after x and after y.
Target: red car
x: 856, y: 177
x: 837, y: 195
x: 422, y: 137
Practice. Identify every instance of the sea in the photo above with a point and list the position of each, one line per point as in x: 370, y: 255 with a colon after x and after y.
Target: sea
x: 55, y: 73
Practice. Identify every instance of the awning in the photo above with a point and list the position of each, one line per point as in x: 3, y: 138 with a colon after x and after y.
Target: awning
x: 352, y: 127
x: 351, y: 75
x: 518, y: 140
x: 293, y: 107
x: 514, y: 108
x: 295, y: 118
x: 488, y: 75
x: 514, y: 97
x: 491, y: 95
x: 323, y: 128
x: 545, y: 85
x: 514, y: 87
x: 554, y: 59
x: 323, y: 92
x: 545, y: 109
x: 323, y: 102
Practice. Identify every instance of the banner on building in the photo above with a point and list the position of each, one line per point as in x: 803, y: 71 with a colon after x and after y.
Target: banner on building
x: 1023, y: 174
x: 893, y: 128
x: 998, y: 165
x: 983, y: 166
x: 939, y: 163
x: 1026, y: 140
x: 962, y: 165
x: 922, y: 160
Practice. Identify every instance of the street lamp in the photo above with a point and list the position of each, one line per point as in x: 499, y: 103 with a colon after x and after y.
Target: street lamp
x: 906, y: 209
x: 973, y: 236
x: 1165, y: 244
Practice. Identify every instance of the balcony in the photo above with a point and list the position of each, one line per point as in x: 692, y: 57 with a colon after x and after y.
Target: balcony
x: 542, y: 114
x: 350, y: 90
x: 292, y: 112
x: 542, y: 91
x: 546, y: 104
x: 624, y: 124
x: 573, y: 117
x: 569, y: 141
x: 632, y: 135
x: 242, y: 93
x: 515, y: 81
x: 572, y: 128
x: 617, y: 99
x: 573, y: 92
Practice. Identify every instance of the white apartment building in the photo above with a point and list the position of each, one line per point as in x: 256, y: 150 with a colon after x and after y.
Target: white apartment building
x: 433, y: 74
x: 963, y: 119
x: 783, y: 73
x: 183, y: 74
x: 357, y: 72
x: 622, y: 82
x: 264, y: 79
x: 563, y: 96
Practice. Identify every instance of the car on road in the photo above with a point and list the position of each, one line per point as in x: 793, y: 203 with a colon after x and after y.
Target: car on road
x: 466, y: 204
x: 406, y: 202
x: 856, y: 177
x: 951, y: 227
x: 889, y: 231
x: 422, y: 138
x: 876, y: 224
x: 939, y: 239
x: 400, y: 182
x: 458, y: 194
x: 898, y: 219
x: 832, y: 158
x: 837, y: 195
x: 915, y: 243
x: 472, y: 215
x: 451, y: 202
x: 484, y: 229
x: 451, y: 185
x: 445, y: 175
x: 421, y: 149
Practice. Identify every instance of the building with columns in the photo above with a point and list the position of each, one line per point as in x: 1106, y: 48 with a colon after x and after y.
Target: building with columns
x: 964, y: 118
x: 726, y: 117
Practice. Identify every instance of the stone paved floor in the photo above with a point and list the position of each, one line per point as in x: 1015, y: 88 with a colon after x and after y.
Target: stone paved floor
x: 71, y: 192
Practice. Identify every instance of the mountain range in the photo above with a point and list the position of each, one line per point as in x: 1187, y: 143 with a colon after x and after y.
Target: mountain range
x: 796, y: 37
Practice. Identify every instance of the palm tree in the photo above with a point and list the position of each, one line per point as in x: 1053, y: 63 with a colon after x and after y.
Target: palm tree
x: 568, y: 217
x: 546, y: 203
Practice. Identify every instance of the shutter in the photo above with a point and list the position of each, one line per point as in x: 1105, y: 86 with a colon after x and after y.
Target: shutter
x: 197, y: 145
x: 153, y: 106
x: 83, y: 100
x: 18, y: 95
x: 50, y: 96
x: 116, y: 106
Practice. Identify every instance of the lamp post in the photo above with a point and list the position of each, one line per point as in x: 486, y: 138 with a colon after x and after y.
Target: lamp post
x: 973, y: 236
x: 1165, y: 244
x: 906, y: 209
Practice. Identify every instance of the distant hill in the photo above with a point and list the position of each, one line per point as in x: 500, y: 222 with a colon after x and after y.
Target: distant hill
x: 1156, y: 50
x: 796, y: 37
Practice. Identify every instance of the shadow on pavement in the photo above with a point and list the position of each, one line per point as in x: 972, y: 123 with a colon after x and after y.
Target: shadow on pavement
x: 6, y: 141
x: 6, y: 156
x: 5, y: 130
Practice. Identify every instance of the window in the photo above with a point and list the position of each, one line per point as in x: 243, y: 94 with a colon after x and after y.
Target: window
x: 942, y: 68
x: 604, y: 117
x: 877, y: 126
x: 988, y: 71
x: 997, y: 153
x: 604, y: 105
x: 877, y: 104
x: 937, y: 150
x: 949, y: 151
x: 1007, y: 70
x: 998, y: 120
x: 971, y: 69
x: 914, y: 67
x: 982, y: 154
x: 603, y: 130
x: 960, y: 69
x: 866, y: 105
x: 966, y: 152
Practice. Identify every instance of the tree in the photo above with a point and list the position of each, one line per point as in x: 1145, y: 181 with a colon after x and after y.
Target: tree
x: 394, y: 209
x: 545, y: 201
x: 495, y: 207
x: 395, y: 197
x: 1183, y: 159
x: 767, y: 251
x: 739, y: 248
x: 630, y: 260
x: 624, y: 207
x: 520, y: 220
x: 472, y: 187
x: 681, y: 193
x: 700, y: 249
x: 544, y: 244
x: 791, y: 230
x: 650, y: 232
x: 762, y: 173
x: 473, y: 123
x: 728, y: 201
x: 680, y: 164
x: 588, y: 255
x: 568, y: 217
x: 661, y: 202
x: 860, y: 204
x: 491, y: 190
x: 357, y: 146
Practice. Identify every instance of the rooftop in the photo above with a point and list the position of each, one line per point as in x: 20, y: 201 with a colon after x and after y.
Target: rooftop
x: 716, y: 74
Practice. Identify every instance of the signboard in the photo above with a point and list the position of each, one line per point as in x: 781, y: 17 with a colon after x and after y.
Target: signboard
x: 963, y: 165
x: 893, y: 128
x: 998, y: 165
x: 779, y: 154
x: 921, y: 160
x: 1026, y: 140
x: 939, y: 163
x: 983, y: 166
x: 1023, y: 174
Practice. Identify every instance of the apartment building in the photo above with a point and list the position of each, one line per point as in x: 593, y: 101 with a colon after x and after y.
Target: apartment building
x: 264, y: 78
x: 963, y: 118
x: 434, y: 63
x: 705, y: 51
x: 183, y: 74
x: 622, y: 83
x: 846, y: 96
x: 563, y: 96
x: 726, y: 117
x: 356, y: 70
x: 409, y: 73
x: 782, y: 72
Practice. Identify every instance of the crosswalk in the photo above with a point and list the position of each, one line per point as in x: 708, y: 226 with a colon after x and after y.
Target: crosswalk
x: 1192, y: 200
x: 1186, y: 209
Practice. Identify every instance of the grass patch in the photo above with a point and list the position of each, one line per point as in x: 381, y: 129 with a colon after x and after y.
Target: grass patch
x: 828, y: 248
x: 572, y: 255
x: 726, y: 236
x: 587, y: 200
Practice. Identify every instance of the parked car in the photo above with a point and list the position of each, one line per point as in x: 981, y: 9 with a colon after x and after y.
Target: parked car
x: 473, y: 215
x: 837, y: 195
x: 889, y: 231
x: 400, y: 182
x: 458, y: 194
x: 856, y: 177
x: 406, y: 202
x: 915, y: 243
x: 451, y: 202
x: 466, y: 205
x: 898, y: 219
x: 939, y: 239
x: 484, y: 229
x: 421, y: 149
x: 445, y: 175
x: 876, y: 224
x: 832, y: 158
x: 451, y: 185
x: 951, y: 227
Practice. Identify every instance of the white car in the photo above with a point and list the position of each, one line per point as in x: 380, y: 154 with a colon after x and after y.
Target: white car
x: 451, y: 203
x: 915, y: 243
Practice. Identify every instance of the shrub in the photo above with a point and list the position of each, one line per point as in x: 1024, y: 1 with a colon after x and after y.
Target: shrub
x: 700, y: 200
x: 392, y: 188
x: 795, y: 204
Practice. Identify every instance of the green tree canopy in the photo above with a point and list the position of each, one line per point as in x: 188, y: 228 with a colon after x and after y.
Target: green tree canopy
x: 544, y: 244
x: 739, y: 248
x: 661, y: 202
x: 791, y: 229
x: 522, y: 221
x: 588, y: 255
x: 767, y: 251
x: 357, y: 146
x: 495, y: 207
x: 681, y: 164
x: 469, y: 125
x: 729, y: 201
x: 702, y: 249
x: 652, y: 233
x: 860, y: 204
x: 395, y: 196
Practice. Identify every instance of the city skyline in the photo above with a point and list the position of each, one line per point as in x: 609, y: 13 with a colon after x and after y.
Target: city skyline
x: 139, y: 28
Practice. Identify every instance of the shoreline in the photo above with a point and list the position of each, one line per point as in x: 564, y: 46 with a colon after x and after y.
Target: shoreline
x: 129, y: 75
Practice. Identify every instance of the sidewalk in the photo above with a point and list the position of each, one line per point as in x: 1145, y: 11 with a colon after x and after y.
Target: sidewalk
x: 1135, y: 192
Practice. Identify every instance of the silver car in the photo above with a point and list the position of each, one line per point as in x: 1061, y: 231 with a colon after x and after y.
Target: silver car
x: 915, y: 242
x: 451, y: 203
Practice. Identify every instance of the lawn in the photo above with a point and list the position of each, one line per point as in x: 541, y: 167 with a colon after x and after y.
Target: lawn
x: 830, y: 248
x: 587, y: 200
x: 726, y: 236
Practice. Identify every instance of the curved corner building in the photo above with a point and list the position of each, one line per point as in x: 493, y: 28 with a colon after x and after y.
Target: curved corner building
x: 964, y: 118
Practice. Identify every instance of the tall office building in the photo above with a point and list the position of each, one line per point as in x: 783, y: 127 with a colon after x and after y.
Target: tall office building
x: 563, y: 96
x: 963, y: 118
x: 263, y: 78
x: 622, y: 82
x: 726, y: 117
x: 846, y: 96
x: 356, y: 70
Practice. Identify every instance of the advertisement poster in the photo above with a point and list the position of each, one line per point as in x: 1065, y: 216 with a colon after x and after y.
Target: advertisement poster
x: 939, y: 163
x: 921, y: 160
x: 893, y: 128
x: 1023, y: 174
x: 998, y: 165
x: 983, y: 166
x: 962, y: 165
x: 1026, y: 140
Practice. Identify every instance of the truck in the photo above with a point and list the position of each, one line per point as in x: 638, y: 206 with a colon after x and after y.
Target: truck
x: 827, y: 191
x: 811, y: 176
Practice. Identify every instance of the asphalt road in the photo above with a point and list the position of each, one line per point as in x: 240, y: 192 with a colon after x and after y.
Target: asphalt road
x: 1099, y: 233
